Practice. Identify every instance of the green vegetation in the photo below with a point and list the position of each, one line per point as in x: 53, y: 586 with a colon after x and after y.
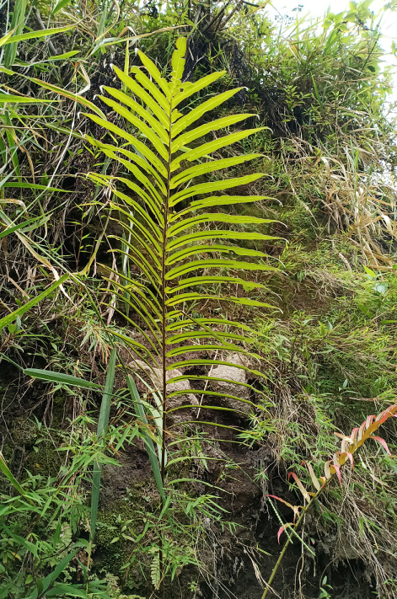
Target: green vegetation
x: 197, y: 302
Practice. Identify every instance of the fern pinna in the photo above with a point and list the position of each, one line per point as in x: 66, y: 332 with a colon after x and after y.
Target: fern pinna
x: 167, y: 244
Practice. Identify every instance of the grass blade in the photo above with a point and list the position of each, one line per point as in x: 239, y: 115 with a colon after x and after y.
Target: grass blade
x: 6, y: 471
x: 13, y: 316
x: 17, y: 24
x: 102, y: 426
x: 147, y: 439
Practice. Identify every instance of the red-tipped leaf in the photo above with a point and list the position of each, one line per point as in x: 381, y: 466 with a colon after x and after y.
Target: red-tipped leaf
x: 383, y: 443
x: 281, y: 530
x: 294, y: 508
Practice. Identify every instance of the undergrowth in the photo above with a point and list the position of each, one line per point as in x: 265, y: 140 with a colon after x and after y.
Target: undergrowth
x: 324, y: 343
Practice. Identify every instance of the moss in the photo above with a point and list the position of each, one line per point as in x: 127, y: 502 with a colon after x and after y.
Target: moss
x: 115, y: 524
x: 43, y: 459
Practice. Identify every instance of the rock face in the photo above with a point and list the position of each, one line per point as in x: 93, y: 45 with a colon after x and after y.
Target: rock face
x: 235, y: 376
x: 182, y: 399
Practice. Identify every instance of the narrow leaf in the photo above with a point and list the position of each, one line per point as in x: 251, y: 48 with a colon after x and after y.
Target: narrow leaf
x: 13, y: 316
x: 383, y: 443
x: 103, y: 423
x: 60, y: 378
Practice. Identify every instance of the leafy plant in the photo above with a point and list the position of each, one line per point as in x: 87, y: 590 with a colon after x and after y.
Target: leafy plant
x: 169, y: 246
x: 350, y: 444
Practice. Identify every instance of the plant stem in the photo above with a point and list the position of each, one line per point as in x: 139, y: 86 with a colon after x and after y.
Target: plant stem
x: 286, y: 545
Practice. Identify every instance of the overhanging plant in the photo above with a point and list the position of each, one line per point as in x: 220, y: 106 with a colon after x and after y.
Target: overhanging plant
x: 183, y: 249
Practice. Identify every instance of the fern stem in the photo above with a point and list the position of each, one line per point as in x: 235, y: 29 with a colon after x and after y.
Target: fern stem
x: 163, y: 297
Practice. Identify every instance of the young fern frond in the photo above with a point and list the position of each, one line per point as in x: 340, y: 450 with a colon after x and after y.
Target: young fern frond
x: 168, y: 244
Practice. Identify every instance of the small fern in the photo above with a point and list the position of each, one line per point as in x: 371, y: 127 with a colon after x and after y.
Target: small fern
x: 155, y: 570
x: 162, y: 212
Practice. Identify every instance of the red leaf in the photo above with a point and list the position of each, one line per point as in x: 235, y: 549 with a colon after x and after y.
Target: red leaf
x: 286, y: 502
x: 383, y: 443
x: 353, y: 435
x: 281, y: 530
x: 337, y: 468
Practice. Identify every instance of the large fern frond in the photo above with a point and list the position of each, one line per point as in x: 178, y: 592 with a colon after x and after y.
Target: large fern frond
x: 185, y: 251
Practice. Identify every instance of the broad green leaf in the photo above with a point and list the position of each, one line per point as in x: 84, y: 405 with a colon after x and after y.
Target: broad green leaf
x: 20, y: 311
x: 211, y: 187
x: 155, y: 73
x: 205, y: 347
x: 205, y: 335
x: 216, y: 217
x: 17, y: 26
x: 155, y: 341
x: 195, y: 297
x: 34, y: 186
x: 213, y: 146
x: 145, y: 82
x: 196, y: 113
x: 144, y: 96
x: 214, y: 263
x: 155, y: 199
x: 60, y: 378
x: 60, y: 5
x: 144, y: 150
x: 132, y: 156
x: 28, y: 225
x: 37, y: 34
x: 219, y: 201
x: 142, y: 127
x: 214, y: 248
x: 178, y: 61
x: 138, y: 225
x: 207, y: 322
x: 151, y: 324
x: 188, y: 89
x: 70, y: 590
x: 151, y: 225
x: 210, y: 167
x: 149, y: 250
x: 142, y: 112
x: 217, y: 234
x: 136, y: 345
x: 205, y: 280
x: 51, y: 578
x: 62, y: 56
x: 194, y: 134
x: 210, y: 363
x: 150, y: 297
x: 212, y: 394
x: 214, y: 379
